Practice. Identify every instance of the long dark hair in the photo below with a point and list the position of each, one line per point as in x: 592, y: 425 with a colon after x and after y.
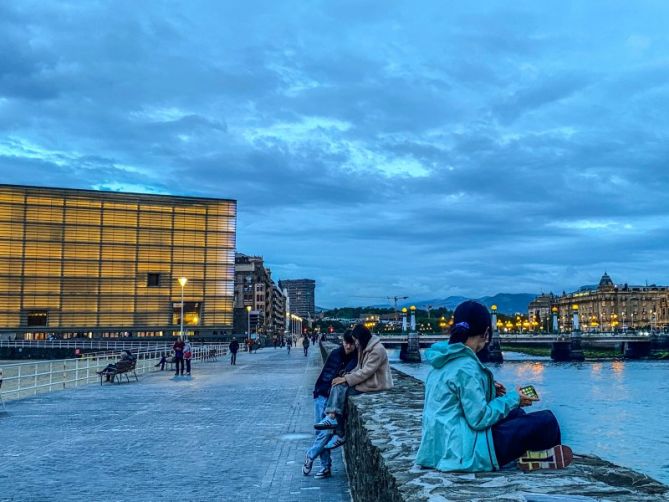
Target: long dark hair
x: 362, y: 334
x: 470, y: 318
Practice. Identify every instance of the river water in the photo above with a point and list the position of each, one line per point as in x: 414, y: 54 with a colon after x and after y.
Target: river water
x: 617, y: 410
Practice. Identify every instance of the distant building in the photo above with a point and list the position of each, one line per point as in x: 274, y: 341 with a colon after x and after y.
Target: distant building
x: 302, y: 298
x: 105, y: 264
x: 607, y: 307
x: 539, y: 311
x: 255, y: 288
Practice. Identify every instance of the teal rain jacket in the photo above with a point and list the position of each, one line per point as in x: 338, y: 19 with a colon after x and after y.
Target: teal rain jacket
x: 460, y: 409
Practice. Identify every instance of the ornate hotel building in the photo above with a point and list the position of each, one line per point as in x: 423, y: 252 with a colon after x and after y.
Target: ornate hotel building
x: 606, y: 307
x: 82, y: 262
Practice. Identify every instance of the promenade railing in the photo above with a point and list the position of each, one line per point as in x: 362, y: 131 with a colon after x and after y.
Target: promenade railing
x: 21, y: 380
x: 86, y: 343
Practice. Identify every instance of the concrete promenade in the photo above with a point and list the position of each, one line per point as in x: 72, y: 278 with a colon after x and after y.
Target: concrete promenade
x: 227, y: 433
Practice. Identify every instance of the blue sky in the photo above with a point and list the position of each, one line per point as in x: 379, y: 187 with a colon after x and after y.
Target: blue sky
x: 382, y: 148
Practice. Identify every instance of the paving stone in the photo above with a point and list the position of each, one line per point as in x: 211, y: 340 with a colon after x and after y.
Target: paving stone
x: 228, y: 433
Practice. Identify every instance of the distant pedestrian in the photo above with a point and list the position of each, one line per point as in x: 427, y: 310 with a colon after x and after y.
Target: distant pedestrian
x: 276, y: 342
x: 289, y: 345
x: 340, y: 361
x: 188, y: 354
x: 256, y: 345
x: 305, y: 345
x: 178, y: 348
x: 234, y: 347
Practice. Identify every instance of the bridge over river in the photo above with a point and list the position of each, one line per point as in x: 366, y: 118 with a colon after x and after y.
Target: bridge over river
x: 631, y: 345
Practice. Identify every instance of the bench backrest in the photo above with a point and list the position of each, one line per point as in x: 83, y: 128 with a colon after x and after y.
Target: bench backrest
x: 125, y: 365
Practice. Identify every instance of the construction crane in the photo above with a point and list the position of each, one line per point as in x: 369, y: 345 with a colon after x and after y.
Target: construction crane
x: 393, y: 298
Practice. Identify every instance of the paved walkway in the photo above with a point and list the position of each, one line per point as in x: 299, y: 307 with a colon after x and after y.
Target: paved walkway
x: 227, y: 433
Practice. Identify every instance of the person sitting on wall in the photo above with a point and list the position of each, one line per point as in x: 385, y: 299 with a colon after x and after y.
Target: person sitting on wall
x: 372, y: 374
x: 341, y: 360
x: 470, y: 422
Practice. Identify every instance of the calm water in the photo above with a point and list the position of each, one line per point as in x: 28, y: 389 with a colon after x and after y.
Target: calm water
x: 616, y: 410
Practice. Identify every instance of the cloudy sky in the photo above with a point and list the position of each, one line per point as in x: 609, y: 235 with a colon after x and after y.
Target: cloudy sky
x: 382, y: 148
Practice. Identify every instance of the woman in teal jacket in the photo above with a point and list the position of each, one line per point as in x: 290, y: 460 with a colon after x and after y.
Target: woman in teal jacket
x: 470, y: 423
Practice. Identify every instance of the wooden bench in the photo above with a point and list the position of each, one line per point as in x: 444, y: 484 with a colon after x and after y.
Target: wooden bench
x: 122, y: 367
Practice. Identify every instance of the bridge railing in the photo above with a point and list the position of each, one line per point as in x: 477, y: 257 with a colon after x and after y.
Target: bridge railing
x: 21, y: 380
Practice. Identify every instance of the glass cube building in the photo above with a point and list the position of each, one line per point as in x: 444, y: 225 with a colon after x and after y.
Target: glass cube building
x: 106, y: 264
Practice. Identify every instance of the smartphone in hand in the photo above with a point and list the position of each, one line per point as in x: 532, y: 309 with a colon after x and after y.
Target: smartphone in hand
x: 529, y: 391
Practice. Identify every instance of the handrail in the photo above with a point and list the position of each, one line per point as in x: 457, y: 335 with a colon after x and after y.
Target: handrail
x: 84, y: 344
x: 21, y: 380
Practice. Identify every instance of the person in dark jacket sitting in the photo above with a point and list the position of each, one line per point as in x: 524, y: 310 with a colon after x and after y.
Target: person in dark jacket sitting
x: 340, y: 361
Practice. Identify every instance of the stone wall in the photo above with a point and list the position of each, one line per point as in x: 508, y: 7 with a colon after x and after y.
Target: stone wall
x: 383, y: 433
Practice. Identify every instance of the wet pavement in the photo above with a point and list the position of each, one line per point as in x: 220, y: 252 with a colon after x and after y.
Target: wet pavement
x: 226, y: 433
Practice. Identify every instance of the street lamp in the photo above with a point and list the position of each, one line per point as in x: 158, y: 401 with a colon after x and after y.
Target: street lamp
x: 182, y: 283
x: 248, y: 321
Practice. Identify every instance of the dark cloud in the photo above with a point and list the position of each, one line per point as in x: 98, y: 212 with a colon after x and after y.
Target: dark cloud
x: 410, y: 149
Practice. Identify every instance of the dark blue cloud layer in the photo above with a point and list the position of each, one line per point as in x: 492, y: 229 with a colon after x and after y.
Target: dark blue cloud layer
x: 381, y: 148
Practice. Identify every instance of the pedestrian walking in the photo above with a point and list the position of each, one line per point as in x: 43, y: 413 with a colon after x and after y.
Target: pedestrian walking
x: 178, y: 349
x: 340, y: 361
x: 188, y: 354
x: 305, y: 345
x: 234, y: 347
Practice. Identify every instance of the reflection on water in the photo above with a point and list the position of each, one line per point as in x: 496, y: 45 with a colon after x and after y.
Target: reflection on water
x: 612, y: 409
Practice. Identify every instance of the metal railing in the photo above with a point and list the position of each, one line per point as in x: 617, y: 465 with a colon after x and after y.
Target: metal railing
x: 86, y: 344
x: 21, y: 380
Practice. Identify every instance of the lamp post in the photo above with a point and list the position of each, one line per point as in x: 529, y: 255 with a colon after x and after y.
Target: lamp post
x: 248, y: 321
x: 404, y: 319
x: 493, y: 321
x: 182, y: 283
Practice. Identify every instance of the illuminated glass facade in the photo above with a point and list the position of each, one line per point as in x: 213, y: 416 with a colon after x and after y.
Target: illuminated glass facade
x: 108, y: 263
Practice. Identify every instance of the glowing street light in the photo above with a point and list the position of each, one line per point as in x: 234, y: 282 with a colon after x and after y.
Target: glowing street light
x: 248, y: 321
x: 182, y: 283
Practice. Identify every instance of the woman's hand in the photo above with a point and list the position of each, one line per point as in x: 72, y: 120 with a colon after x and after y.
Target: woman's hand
x: 525, y: 400
x: 338, y: 381
x: 500, y: 390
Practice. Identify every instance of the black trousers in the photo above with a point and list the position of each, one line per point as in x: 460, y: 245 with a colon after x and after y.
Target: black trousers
x: 187, y: 366
x: 179, y: 362
x: 233, y: 358
x: 521, y: 431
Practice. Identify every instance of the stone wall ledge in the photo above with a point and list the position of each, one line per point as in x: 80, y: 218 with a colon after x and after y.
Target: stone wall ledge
x: 383, y: 434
